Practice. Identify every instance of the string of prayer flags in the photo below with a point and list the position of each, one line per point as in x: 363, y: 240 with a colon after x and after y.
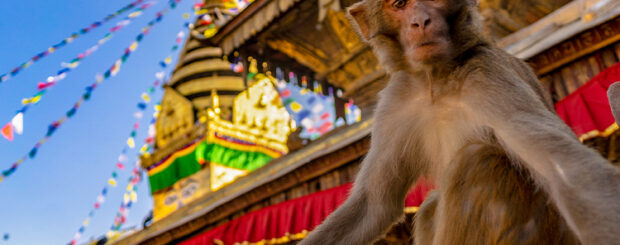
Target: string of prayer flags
x: 229, y: 9
x: 53, y: 48
x: 62, y: 73
x: 314, y: 111
x: 111, y: 182
x: 353, y: 114
x: 129, y: 197
x: 122, y: 158
x: 86, y: 96
x: 164, y: 63
x: 99, y: 200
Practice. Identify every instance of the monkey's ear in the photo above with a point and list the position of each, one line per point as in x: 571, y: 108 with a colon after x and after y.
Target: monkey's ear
x: 613, y: 93
x: 359, y: 17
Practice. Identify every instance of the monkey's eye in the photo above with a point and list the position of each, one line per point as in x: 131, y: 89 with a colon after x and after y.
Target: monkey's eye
x: 399, y: 4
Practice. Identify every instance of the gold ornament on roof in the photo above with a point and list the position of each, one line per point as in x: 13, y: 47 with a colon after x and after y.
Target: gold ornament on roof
x: 258, y: 115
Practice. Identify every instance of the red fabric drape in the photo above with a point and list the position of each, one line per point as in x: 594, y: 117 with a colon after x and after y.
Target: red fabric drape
x: 587, y: 110
x: 293, y: 218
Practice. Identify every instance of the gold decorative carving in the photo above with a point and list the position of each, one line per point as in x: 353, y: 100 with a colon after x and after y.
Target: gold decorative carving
x: 578, y: 46
x: 260, y: 109
x: 176, y: 117
x: 258, y: 115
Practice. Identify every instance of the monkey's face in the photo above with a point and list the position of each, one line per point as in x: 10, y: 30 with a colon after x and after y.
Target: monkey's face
x: 421, y: 27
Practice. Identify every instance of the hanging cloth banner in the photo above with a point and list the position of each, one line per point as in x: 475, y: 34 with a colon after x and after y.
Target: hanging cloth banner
x: 53, y: 48
x: 587, y: 110
x: 86, y: 96
x: 291, y: 220
x: 62, y: 73
x: 229, y: 157
x: 182, y: 163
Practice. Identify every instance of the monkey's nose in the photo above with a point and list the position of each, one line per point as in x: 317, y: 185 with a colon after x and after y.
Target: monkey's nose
x: 422, y: 21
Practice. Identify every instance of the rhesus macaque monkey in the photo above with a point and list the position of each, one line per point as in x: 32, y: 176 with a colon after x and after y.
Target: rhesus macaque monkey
x: 475, y: 121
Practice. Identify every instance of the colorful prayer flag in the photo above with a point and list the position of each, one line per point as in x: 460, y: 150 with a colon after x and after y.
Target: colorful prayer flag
x: 18, y: 123
x: 32, y: 100
x: 131, y: 143
x: 7, y: 131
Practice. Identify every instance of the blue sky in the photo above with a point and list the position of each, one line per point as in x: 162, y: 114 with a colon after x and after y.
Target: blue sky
x: 47, y: 198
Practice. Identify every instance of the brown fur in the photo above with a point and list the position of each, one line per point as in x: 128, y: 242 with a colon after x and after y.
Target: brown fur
x: 524, y: 180
x: 493, y: 202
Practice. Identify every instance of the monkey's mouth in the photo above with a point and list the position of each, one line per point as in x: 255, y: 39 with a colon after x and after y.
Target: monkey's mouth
x: 427, y: 43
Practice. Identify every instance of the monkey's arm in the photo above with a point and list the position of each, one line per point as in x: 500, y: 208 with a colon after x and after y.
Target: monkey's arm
x: 583, y: 185
x: 377, y: 198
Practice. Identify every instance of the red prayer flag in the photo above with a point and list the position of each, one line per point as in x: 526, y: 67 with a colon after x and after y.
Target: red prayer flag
x: 41, y: 86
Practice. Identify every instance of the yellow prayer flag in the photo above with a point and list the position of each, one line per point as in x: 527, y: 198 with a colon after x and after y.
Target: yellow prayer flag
x: 133, y: 46
x: 144, y: 148
x: 296, y: 107
x: 135, y: 14
x: 112, y: 182
x: 32, y: 100
x: 134, y: 196
x: 146, y: 97
x: 116, y: 68
x: 131, y: 143
x: 209, y: 32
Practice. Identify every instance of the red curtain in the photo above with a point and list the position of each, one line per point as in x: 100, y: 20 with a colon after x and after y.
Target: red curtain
x: 587, y: 110
x: 290, y: 220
